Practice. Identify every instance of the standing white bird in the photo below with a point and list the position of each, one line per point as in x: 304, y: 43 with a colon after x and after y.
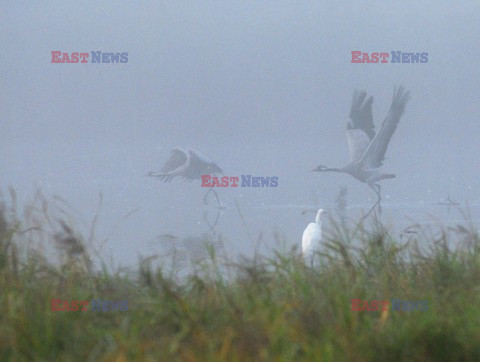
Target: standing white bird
x: 312, y: 238
x: 189, y: 164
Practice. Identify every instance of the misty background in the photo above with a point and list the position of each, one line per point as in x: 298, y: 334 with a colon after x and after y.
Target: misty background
x: 261, y: 87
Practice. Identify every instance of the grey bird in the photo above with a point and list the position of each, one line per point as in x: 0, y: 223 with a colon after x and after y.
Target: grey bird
x: 367, y: 148
x: 189, y: 164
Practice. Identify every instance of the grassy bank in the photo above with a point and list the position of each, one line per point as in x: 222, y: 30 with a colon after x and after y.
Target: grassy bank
x: 261, y: 309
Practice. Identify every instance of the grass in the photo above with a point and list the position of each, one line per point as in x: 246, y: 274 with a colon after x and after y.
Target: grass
x: 259, y: 309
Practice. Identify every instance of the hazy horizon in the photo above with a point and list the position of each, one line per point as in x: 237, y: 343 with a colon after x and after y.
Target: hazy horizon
x: 262, y: 88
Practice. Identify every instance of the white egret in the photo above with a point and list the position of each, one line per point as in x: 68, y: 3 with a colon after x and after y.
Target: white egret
x: 312, y: 238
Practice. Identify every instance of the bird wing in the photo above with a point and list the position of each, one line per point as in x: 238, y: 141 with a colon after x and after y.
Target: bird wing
x: 198, y: 165
x: 199, y: 156
x: 178, y: 158
x: 360, y: 128
x: 358, y: 142
x: 375, y: 153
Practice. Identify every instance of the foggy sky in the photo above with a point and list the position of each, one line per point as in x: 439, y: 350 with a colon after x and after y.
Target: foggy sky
x: 262, y: 87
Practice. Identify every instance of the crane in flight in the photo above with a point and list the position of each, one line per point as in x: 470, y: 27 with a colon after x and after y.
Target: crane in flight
x: 189, y: 164
x: 367, y: 148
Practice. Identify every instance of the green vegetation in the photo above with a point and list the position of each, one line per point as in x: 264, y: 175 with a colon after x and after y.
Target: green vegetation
x: 261, y: 309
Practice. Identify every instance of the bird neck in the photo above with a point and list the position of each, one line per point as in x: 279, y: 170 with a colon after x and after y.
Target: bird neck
x: 333, y: 169
x: 318, y: 219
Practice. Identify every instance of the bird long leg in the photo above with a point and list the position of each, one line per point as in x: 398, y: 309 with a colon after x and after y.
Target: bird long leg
x: 376, y: 188
x: 380, y: 209
x: 379, y: 199
x: 220, y: 206
x: 205, y: 198
x: 205, y: 202
x: 211, y: 227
